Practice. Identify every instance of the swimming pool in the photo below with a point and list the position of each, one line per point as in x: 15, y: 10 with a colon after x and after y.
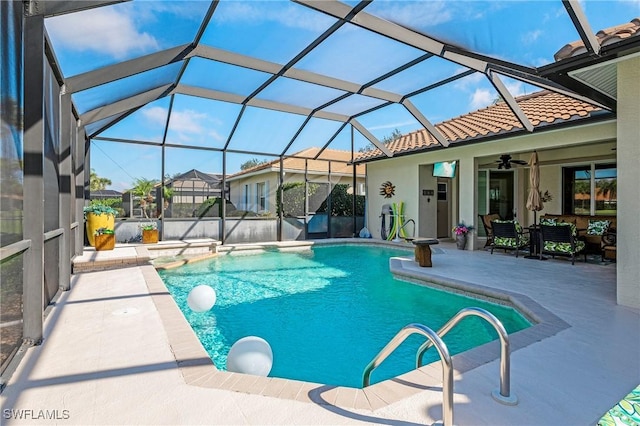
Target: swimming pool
x: 325, y: 312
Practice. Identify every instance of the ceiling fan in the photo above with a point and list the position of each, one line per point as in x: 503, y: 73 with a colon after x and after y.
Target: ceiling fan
x: 505, y: 162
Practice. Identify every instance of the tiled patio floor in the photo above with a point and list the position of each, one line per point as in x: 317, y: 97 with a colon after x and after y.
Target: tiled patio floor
x: 110, y: 350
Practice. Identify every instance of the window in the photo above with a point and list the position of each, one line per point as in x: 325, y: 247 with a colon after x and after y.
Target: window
x: 261, y: 193
x: 246, y: 197
x: 442, y: 191
x: 590, y: 190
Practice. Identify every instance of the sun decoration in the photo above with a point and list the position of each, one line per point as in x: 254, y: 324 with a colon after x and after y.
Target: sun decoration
x: 387, y: 190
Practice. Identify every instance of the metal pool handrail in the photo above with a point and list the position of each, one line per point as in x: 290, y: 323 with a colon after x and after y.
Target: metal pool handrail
x: 445, y: 358
x: 503, y: 395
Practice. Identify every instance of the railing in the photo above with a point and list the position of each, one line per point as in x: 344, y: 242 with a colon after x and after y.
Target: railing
x: 445, y: 358
x: 503, y: 395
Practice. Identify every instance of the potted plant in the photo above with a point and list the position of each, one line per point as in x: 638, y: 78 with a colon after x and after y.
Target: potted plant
x: 98, y: 215
x: 149, y: 233
x: 461, y: 230
x: 105, y: 239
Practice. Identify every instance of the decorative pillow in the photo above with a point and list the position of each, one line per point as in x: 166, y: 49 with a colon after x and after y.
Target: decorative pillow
x: 597, y: 227
x: 548, y: 221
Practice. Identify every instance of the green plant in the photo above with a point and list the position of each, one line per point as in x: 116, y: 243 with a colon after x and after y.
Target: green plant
x: 151, y: 226
x: 104, y: 231
x: 143, y: 188
x: 98, y: 209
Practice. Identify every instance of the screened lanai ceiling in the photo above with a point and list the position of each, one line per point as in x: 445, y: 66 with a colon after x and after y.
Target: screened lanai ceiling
x: 274, y: 77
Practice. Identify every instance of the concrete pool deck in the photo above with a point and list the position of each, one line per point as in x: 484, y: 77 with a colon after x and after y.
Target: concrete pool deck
x: 116, y: 352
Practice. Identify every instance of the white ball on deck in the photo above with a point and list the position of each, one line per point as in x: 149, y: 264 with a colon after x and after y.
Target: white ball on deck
x: 201, y: 298
x: 250, y: 355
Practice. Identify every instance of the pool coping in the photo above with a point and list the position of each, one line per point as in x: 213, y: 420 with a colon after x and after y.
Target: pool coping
x: 197, y: 368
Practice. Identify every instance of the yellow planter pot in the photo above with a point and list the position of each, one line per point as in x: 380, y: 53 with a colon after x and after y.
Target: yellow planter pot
x: 149, y: 236
x: 98, y: 221
x: 105, y: 242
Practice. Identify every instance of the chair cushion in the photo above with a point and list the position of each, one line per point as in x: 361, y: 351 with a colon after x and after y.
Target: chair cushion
x: 511, y: 242
x: 548, y: 221
x: 597, y: 227
x: 563, y: 247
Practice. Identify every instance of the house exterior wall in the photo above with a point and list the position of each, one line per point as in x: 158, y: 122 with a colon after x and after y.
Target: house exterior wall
x: 272, y: 179
x: 590, y: 142
x: 628, y: 152
x: 237, y: 194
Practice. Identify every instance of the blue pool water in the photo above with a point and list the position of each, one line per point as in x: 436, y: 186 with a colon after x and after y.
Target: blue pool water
x: 326, y: 312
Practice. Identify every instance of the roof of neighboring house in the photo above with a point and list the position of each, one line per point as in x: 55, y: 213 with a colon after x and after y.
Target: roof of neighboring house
x: 605, y: 37
x: 105, y: 193
x: 194, y: 174
x: 339, y: 163
x: 542, y: 108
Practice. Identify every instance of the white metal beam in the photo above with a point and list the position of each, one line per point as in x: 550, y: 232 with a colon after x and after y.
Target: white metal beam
x: 215, y: 95
x: 581, y: 23
x: 49, y: 8
x: 124, y: 105
x: 359, y: 127
x: 258, y: 103
x: 425, y: 122
x: 125, y: 69
x: 511, y: 102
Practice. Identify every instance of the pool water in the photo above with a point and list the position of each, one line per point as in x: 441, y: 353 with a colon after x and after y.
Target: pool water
x: 325, y: 312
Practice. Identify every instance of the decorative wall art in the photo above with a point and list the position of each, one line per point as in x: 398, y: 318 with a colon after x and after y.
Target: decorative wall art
x: 387, y: 190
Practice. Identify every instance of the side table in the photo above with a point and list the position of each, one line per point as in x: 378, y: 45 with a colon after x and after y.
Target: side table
x: 423, y: 250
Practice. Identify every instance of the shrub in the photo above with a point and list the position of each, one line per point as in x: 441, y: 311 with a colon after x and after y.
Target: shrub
x: 213, y: 208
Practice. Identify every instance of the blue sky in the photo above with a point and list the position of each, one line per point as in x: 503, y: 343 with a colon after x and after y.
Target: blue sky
x: 528, y: 33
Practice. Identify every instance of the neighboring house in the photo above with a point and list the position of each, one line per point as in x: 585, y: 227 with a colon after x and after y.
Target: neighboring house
x: 185, y: 193
x: 189, y: 190
x: 255, y: 189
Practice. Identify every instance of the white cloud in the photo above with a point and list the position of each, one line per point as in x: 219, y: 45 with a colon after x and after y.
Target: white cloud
x: 530, y: 37
x: 103, y: 30
x: 216, y: 136
x: 392, y: 125
x: 187, y: 121
x: 516, y: 88
x: 156, y: 115
x: 469, y: 81
x: 481, y: 98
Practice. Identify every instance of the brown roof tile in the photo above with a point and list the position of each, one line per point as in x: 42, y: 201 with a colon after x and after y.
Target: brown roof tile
x: 542, y: 108
x: 339, y: 162
x: 605, y: 37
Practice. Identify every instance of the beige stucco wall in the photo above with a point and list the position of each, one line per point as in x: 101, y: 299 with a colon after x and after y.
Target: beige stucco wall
x: 236, y: 186
x: 236, y: 190
x: 592, y: 142
x: 628, y: 153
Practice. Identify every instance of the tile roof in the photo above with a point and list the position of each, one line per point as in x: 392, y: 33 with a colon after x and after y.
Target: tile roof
x: 339, y: 163
x: 605, y: 37
x: 542, y: 108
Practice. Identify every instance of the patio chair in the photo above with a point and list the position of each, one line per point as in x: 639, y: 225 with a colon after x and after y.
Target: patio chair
x: 486, y: 219
x: 608, y: 246
x: 561, y: 239
x: 508, y: 235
